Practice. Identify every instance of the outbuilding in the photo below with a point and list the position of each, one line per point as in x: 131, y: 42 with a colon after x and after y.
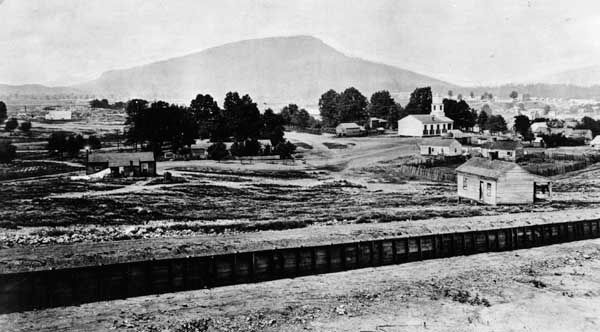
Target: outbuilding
x: 122, y: 163
x: 436, y: 146
x: 499, y: 182
x: 595, y: 143
x: 505, y: 149
x: 348, y: 129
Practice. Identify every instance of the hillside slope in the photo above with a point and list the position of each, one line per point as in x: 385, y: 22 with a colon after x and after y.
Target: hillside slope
x: 275, y: 70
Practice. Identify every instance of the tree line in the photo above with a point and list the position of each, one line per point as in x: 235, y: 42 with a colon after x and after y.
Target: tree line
x: 159, y: 124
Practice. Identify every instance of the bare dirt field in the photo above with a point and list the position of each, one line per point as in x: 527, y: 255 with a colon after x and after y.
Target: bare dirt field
x: 219, y: 203
x: 554, y: 288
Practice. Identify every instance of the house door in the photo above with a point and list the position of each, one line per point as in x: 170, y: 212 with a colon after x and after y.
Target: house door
x: 430, y: 150
x: 481, y: 190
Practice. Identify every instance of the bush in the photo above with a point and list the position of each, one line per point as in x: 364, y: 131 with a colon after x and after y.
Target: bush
x: 217, y: 151
x: 11, y: 124
x: 285, y: 150
x: 25, y: 126
x: 7, y: 151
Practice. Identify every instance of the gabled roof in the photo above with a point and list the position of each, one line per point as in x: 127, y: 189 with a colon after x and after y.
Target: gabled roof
x: 487, y: 168
x: 596, y: 140
x: 436, y: 141
x: 502, y: 145
x: 349, y: 125
x: 120, y: 159
x: 431, y: 119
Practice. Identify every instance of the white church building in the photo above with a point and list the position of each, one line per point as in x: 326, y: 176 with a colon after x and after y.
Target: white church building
x: 423, y: 125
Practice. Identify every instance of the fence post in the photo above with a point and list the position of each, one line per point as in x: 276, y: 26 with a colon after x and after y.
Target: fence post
x: 394, y: 252
x: 419, y: 250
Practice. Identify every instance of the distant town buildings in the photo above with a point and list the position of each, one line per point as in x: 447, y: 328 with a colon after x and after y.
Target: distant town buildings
x: 58, y: 115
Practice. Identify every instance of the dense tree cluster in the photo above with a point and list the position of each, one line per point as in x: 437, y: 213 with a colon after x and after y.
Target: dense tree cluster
x: 60, y: 143
x: 96, y: 103
x: 7, y: 151
x: 591, y: 124
x: 298, y: 117
x: 554, y: 140
x: 487, y: 121
x: 161, y: 124
x: 348, y: 106
x: 464, y: 117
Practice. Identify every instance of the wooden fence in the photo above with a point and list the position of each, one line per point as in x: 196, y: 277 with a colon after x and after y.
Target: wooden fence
x: 53, y: 288
x: 427, y: 173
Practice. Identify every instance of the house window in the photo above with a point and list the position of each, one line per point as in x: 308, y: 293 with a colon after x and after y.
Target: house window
x: 509, y: 153
x: 489, y: 189
x: 465, y: 182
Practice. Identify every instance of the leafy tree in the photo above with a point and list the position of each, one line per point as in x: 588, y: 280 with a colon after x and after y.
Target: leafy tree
x: 460, y: 112
x: 420, y: 101
x: 94, y: 142
x: 472, y: 94
x: 328, y: 108
x: 352, y: 106
x: 217, y: 151
x: 11, y: 124
x: 482, y: 120
x: 73, y: 145
x: 204, y: 108
x: 523, y: 126
x: 496, y: 123
x: 273, y: 127
x: 301, y: 118
x: 589, y: 123
x: 514, y: 94
x: 383, y: 106
x: 287, y: 113
x: 25, y: 126
x: 554, y: 140
x: 460, y: 96
x: 3, y: 112
x: 57, y: 142
x: 450, y: 93
x: 8, y: 152
x: 285, y: 150
x: 159, y: 124
x: 243, y: 116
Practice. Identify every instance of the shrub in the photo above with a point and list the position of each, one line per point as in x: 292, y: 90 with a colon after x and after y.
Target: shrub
x: 7, y: 151
x: 217, y: 151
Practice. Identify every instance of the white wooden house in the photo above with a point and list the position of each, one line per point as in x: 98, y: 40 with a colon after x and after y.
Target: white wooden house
x: 436, y: 146
x: 348, y: 129
x: 499, y: 182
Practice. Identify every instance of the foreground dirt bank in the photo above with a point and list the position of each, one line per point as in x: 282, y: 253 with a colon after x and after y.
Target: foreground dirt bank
x: 554, y: 288
x: 80, y: 254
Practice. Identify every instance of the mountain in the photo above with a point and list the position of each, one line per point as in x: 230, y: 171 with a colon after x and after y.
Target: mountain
x: 274, y: 70
x: 585, y: 76
x: 35, y: 89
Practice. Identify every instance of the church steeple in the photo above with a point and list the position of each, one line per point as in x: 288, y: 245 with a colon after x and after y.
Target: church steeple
x: 437, y: 106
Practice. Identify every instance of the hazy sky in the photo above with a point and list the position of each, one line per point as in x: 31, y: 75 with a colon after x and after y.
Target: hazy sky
x: 464, y: 42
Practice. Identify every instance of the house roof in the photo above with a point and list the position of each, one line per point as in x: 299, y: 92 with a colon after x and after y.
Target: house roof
x: 502, y: 145
x: 487, y: 168
x: 596, y: 140
x: 349, y: 125
x: 436, y: 141
x: 429, y: 119
x: 120, y: 159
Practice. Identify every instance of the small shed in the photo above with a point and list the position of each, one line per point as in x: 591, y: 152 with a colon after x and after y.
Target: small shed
x: 435, y: 146
x: 122, y: 163
x: 375, y: 123
x: 499, y: 182
x: 506, y: 150
x: 348, y: 129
